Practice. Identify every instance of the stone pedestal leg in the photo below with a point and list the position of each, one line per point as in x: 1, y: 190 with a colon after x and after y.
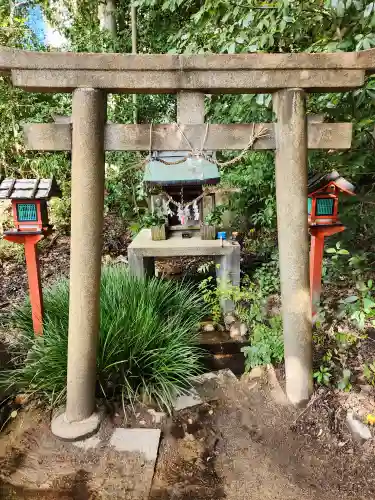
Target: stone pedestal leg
x: 292, y: 225
x: 140, y: 266
x: 228, y: 273
x: 89, y: 116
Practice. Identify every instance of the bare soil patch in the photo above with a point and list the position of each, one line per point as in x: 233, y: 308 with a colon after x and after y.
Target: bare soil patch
x: 244, y: 445
x: 36, y: 465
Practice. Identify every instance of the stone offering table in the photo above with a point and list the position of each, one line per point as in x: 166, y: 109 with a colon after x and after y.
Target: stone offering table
x: 143, y: 251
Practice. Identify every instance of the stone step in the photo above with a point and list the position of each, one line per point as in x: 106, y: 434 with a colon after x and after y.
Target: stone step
x: 223, y: 351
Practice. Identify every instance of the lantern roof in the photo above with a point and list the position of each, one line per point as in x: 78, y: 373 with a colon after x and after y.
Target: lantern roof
x: 28, y: 189
x: 317, y: 182
x: 171, y: 168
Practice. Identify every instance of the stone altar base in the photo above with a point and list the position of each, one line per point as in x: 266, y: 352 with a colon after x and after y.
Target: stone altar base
x: 143, y: 251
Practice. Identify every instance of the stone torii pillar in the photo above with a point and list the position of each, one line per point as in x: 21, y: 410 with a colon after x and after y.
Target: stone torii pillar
x: 88, y: 119
x: 293, y: 236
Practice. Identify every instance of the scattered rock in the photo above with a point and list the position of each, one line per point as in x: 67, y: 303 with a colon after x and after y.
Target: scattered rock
x: 229, y: 319
x: 208, y: 327
x: 157, y: 416
x: 243, y: 329
x: 220, y: 376
x: 367, y: 389
x: 21, y: 399
x: 220, y: 328
x: 237, y: 330
x: 273, y: 305
x: 256, y: 372
x: 359, y: 430
x: 190, y: 421
x: 121, y: 259
x: 187, y: 400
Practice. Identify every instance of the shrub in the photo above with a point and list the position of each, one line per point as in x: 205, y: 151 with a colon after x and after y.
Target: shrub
x: 11, y: 251
x: 147, y: 340
x: 266, y: 344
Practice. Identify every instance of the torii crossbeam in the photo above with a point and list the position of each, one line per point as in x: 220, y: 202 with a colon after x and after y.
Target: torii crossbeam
x: 90, y: 76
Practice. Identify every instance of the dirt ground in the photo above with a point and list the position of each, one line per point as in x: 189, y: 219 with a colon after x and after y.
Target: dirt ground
x: 243, y: 442
x: 35, y: 465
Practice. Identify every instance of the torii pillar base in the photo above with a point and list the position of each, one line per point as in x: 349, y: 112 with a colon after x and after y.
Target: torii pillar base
x: 62, y: 428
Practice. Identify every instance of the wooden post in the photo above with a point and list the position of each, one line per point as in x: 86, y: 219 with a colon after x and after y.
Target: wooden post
x: 35, y: 287
x: 33, y: 275
x: 318, y: 233
x: 316, y: 261
x: 292, y: 225
x: 89, y: 116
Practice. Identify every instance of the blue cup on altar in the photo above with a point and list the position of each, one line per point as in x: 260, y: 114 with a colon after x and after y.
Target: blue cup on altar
x: 222, y: 235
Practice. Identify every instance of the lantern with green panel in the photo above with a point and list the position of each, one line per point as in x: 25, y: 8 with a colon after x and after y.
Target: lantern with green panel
x: 29, y: 202
x: 323, y: 197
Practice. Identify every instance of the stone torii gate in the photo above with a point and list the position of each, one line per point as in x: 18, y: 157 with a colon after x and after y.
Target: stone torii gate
x: 90, y: 77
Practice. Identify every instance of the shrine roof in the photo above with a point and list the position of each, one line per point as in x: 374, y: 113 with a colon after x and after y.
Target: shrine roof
x: 319, y: 181
x: 176, y: 170
x: 28, y: 189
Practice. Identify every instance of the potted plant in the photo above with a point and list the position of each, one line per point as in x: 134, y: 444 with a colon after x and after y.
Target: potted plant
x: 156, y: 222
x: 211, y: 221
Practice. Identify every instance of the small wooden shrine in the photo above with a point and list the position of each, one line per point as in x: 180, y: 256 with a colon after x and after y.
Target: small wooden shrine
x: 176, y: 181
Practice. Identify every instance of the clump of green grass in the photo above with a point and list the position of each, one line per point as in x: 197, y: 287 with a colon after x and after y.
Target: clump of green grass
x: 147, y: 340
x: 11, y: 251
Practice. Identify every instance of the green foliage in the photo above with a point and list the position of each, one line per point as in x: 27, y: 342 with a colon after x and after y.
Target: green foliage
x: 250, y: 304
x: 214, y: 218
x: 360, y: 308
x: 369, y: 373
x: 344, y: 384
x: 11, y: 251
x: 147, y: 340
x: 323, y: 375
x: 124, y: 189
x: 212, y: 293
x: 267, y: 344
x: 336, y: 349
x: 153, y: 219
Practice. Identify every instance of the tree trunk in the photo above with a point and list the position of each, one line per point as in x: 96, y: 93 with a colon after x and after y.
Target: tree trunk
x: 107, y: 17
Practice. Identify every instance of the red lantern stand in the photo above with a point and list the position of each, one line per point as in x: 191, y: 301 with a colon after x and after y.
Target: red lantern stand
x: 30, y: 216
x: 323, y: 221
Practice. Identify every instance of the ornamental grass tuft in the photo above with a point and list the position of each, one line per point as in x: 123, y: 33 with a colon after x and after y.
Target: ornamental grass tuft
x: 147, y: 341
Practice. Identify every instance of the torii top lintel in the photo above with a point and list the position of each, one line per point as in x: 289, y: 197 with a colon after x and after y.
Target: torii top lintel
x: 212, y: 73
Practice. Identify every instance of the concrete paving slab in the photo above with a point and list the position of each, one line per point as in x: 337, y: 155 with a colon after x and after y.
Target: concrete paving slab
x: 144, y: 441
